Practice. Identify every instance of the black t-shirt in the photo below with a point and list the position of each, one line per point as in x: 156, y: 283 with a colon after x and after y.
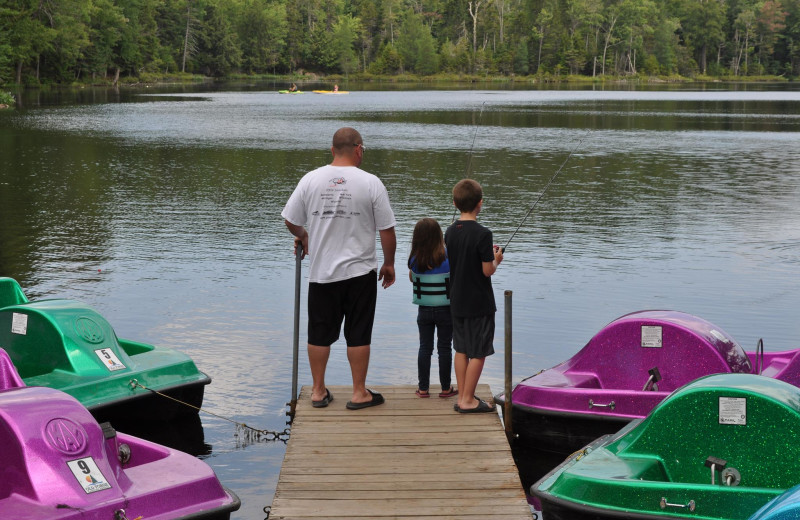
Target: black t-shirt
x: 469, y: 245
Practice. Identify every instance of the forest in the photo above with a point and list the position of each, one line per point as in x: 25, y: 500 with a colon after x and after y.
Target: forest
x: 111, y: 41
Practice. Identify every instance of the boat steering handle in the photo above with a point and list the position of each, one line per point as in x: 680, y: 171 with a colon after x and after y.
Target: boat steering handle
x: 592, y: 404
x: 664, y: 504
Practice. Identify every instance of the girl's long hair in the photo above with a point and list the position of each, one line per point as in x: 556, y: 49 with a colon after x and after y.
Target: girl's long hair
x: 427, y: 245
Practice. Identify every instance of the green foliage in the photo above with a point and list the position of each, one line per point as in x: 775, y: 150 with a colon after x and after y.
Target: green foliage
x: 66, y: 41
x: 702, y: 28
x: 6, y: 98
x: 219, y: 52
x: 665, y: 48
x: 321, y: 54
x: 455, y: 57
x: 416, y: 46
x: 346, y: 31
x: 262, y: 28
x: 387, y: 62
x: 106, y: 24
x: 5, y: 62
x: 521, y: 57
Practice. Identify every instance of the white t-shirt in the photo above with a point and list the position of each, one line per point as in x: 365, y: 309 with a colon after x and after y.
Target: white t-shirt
x: 342, y: 207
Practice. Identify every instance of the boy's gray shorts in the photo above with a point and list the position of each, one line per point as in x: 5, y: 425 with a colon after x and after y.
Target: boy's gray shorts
x: 474, y: 336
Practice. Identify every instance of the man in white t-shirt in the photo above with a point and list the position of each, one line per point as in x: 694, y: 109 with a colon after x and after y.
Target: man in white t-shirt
x: 342, y: 206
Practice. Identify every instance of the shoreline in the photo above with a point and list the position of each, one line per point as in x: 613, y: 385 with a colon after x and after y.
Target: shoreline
x: 147, y: 80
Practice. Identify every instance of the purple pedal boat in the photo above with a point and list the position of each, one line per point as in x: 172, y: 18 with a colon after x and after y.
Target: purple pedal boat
x: 624, y: 371
x: 58, y: 463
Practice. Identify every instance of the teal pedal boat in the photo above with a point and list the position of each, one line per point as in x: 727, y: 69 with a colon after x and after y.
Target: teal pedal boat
x: 785, y: 507
x: 720, y: 447
x: 66, y: 345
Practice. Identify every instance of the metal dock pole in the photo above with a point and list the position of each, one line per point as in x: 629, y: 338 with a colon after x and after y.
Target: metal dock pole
x: 507, y: 404
x: 296, y: 338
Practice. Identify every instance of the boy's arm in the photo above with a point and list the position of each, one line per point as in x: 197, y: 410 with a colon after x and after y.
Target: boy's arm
x: 489, y: 268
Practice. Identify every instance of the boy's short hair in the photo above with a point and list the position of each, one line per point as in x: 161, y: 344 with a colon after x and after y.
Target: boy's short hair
x: 467, y: 194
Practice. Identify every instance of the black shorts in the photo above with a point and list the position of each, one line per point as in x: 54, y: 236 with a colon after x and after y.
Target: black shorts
x: 474, y: 336
x: 352, y: 300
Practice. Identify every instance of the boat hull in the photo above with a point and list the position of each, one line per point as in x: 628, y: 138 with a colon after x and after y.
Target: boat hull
x: 706, y: 452
x: 626, y: 370
x: 559, y: 432
x: 553, y: 509
x: 63, y: 465
x: 169, y: 404
x: 67, y: 345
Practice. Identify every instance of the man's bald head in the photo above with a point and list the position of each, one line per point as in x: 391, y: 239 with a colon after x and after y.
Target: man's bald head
x: 345, y: 139
x: 347, y: 148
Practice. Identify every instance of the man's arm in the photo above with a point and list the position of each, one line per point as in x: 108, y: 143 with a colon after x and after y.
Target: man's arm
x: 389, y: 245
x: 300, y: 237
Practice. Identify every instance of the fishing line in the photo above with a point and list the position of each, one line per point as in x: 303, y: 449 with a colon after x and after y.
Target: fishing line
x: 542, y: 194
x: 469, y: 157
x: 472, y: 147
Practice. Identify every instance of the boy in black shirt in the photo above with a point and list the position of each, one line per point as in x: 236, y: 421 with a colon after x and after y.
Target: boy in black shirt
x: 473, y: 260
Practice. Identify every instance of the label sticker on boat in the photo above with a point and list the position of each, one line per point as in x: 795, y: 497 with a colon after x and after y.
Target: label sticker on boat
x: 88, y: 474
x: 19, y: 323
x: 109, y: 359
x: 733, y: 410
x: 651, y: 336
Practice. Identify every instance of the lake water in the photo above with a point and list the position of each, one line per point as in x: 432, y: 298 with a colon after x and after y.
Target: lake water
x: 162, y: 210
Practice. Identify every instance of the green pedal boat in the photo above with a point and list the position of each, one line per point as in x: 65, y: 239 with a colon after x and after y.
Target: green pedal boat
x: 720, y: 447
x: 65, y: 344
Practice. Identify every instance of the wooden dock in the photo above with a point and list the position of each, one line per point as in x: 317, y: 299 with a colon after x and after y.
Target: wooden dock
x: 407, y: 458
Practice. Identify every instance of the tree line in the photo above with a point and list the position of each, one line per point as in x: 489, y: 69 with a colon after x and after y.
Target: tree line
x: 65, y: 41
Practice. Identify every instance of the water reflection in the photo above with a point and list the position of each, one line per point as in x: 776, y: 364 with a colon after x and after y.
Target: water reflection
x: 162, y: 212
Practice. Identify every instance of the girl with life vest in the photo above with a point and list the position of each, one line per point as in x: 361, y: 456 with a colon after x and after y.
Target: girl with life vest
x: 429, y: 272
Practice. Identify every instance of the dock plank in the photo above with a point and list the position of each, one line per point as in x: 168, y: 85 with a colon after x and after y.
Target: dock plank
x: 408, y: 458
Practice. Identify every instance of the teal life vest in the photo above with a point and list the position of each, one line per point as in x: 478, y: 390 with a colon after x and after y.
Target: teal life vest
x: 431, y: 290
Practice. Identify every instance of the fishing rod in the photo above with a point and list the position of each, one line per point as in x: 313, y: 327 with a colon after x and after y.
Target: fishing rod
x: 541, y: 194
x: 469, y: 157
x: 472, y: 147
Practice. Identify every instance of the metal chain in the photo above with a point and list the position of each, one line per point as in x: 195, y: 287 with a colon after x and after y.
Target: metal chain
x: 251, y: 434
x: 248, y: 432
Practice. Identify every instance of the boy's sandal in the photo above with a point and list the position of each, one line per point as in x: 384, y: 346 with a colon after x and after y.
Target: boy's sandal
x: 420, y: 393
x: 449, y: 393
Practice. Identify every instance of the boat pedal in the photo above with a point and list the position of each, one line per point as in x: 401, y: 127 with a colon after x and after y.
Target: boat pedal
x: 655, y: 377
x: 716, y: 464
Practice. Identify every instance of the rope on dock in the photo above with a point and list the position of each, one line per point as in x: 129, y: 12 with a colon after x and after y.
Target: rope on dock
x: 249, y: 433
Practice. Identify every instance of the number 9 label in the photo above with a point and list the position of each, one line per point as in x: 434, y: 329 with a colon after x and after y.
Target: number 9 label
x: 88, y: 475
